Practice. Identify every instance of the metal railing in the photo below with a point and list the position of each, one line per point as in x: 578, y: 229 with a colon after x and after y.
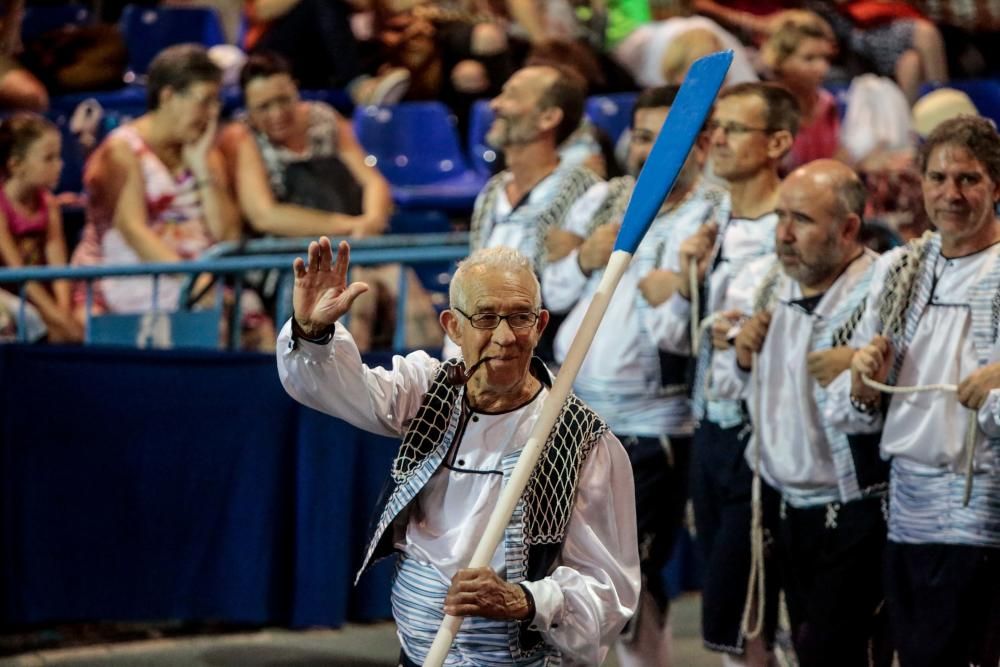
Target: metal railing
x: 256, y: 255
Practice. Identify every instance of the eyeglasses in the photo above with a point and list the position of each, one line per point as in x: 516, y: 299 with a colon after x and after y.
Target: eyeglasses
x: 735, y: 128
x: 492, y: 320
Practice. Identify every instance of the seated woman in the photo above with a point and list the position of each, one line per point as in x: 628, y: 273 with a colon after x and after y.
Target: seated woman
x: 156, y: 186
x: 297, y: 168
x: 299, y: 171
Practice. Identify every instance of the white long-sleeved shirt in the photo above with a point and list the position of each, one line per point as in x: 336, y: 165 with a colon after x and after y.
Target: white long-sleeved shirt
x: 620, y: 377
x: 740, y: 241
x: 795, y: 453
x: 593, y: 590
x: 927, y: 429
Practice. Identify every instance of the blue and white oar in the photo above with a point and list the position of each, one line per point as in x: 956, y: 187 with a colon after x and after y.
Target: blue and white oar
x: 687, y: 116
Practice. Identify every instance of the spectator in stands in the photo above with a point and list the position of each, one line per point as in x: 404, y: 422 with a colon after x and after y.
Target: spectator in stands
x: 798, y: 54
x: 893, y: 37
x: 316, y: 37
x: 296, y: 166
x: 19, y: 89
x: 157, y: 187
x: 539, y: 108
x: 31, y: 231
x: 298, y: 170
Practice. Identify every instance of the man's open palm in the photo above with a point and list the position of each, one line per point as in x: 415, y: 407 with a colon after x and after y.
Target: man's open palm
x: 321, y: 294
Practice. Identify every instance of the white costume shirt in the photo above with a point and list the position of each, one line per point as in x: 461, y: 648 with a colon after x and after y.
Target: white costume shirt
x: 593, y: 590
x: 795, y: 454
x: 741, y: 240
x: 620, y: 377
x: 517, y: 226
x: 927, y: 429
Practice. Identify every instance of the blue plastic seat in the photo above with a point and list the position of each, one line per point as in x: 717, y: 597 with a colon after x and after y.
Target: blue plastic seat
x: 612, y: 113
x: 482, y: 156
x: 149, y: 30
x: 416, y: 148
x: 39, y: 20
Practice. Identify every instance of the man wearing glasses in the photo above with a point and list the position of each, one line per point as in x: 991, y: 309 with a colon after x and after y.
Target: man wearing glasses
x: 639, y: 390
x: 566, y: 578
x: 752, y: 128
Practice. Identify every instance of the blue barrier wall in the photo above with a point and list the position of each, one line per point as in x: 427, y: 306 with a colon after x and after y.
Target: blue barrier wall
x: 147, y: 485
x: 170, y: 485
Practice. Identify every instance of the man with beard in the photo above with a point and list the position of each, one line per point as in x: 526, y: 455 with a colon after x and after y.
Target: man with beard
x: 641, y: 392
x: 931, y: 320
x: 804, y: 303
x: 751, y: 129
x: 538, y: 108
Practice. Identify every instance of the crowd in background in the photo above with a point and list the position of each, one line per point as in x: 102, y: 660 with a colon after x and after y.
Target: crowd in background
x: 177, y: 179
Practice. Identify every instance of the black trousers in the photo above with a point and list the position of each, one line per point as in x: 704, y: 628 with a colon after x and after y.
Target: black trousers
x: 720, y: 492
x: 660, y: 496
x: 944, y: 604
x: 830, y: 559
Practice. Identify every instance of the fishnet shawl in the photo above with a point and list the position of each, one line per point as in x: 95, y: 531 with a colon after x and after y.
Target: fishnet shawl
x: 572, y: 186
x: 549, y: 495
x: 897, y: 291
x: 612, y: 209
x: 552, y: 487
x: 767, y: 290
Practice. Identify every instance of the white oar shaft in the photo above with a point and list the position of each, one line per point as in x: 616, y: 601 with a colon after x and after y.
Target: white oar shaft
x: 539, y: 435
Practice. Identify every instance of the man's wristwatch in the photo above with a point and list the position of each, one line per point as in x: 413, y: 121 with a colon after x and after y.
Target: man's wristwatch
x: 323, y: 338
x: 531, y: 602
x: 866, y: 406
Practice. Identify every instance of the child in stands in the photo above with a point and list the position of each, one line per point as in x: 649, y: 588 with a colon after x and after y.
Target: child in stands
x: 31, y: 231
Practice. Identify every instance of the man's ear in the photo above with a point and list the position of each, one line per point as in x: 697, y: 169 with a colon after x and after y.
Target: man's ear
x: 779, y: 144
x: 449, y: 322
x: 166, y: 94
x: 550, y: 118
x: 543, y: 320
x: 852, y: 227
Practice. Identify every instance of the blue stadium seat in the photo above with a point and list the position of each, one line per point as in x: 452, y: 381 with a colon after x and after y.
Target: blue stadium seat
x: 612, y: 113
x: 149, y: 30
x: 181, y: 329
x: 415, y: 147
x: 482, y: 156
x: 39, y: 20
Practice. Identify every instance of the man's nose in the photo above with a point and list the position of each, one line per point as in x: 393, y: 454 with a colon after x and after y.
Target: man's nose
x: 950, y: 189
x: 504, y: 334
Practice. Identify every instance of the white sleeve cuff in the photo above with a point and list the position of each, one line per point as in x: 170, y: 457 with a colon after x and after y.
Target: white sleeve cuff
x: 548, y: 604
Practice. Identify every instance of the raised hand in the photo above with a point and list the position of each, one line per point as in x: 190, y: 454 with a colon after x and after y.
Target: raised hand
x: 873, y: 361
x: 750, y: 340
x: 322, y: 295
x: 825, y: 365
x: 696, y: 248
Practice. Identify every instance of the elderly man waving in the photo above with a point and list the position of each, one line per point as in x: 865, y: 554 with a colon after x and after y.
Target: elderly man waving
x: 566, y: 577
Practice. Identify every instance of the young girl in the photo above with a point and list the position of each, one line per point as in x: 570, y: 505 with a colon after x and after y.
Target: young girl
x: 798, y: 54
x: 31, y: 232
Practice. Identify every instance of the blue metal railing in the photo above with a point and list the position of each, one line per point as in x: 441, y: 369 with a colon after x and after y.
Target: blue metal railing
x: 256, y: 255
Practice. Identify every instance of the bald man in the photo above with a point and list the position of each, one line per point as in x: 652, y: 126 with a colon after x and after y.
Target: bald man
x: 802, y: 303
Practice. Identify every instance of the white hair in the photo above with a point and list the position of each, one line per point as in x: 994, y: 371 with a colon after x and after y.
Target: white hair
x: 499, y: 258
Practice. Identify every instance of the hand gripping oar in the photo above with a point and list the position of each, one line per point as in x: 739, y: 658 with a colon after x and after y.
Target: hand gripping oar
x: 677, y: 136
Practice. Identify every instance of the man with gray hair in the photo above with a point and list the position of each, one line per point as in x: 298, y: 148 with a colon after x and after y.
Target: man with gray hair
x: 566, y: 578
